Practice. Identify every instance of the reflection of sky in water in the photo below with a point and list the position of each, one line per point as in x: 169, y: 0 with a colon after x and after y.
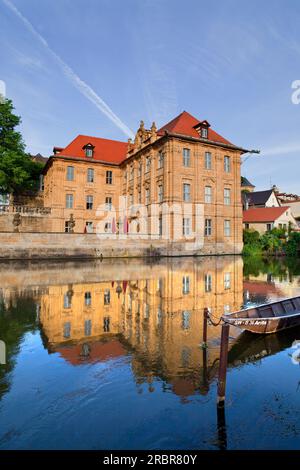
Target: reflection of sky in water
x: 143, y: 381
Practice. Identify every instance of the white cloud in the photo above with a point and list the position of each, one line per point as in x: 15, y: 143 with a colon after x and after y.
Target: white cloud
x: 281, y: 150
x: 82, y: 86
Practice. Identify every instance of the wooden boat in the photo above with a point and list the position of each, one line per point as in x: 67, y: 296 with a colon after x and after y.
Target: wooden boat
x: 267, y: 318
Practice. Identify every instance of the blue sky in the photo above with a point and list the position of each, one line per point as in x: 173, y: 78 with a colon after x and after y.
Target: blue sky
x: 97, y: 67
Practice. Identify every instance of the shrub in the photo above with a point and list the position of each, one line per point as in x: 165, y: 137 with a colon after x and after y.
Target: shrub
x: 292, y: 247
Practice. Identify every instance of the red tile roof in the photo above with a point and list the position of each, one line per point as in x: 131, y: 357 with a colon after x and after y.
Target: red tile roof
x: 263, y: 214
x: 99, y: 352
x: 111, y: 151
x: 262, y: 287
x: 184, y: 125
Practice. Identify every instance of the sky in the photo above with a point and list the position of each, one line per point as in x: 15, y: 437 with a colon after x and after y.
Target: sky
x: 97, y: 67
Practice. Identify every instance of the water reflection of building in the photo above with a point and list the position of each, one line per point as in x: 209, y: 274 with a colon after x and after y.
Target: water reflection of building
x: 263, y: 287
x: 157, y: 316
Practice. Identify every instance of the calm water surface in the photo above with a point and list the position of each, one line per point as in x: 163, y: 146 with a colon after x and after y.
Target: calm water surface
x: 107, y: 356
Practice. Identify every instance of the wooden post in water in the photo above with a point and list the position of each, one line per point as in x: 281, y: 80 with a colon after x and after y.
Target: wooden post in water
x: 222, y: 432
x: 204, y: 336
x: 223, y: 363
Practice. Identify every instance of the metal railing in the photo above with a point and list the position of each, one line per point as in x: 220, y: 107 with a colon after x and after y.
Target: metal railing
x: 25, y: 209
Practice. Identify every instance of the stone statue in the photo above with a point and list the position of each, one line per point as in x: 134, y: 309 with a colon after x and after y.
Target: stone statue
x: 17, y: 221
x: 72, y: 224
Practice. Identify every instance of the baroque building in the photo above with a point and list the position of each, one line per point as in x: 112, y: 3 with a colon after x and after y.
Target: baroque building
x: 155, y: 315
x: 179, y: 183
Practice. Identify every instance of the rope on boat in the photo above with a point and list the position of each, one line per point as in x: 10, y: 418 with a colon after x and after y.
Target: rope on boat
x: 210, y: 318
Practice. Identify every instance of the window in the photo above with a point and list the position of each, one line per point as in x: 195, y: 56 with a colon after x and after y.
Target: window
x: 160, y: 225
x: 107, y: 227
x: 89, y: 202
x: 208, y: 194
x: 70, y: 173
x: 186, y: 192
x: 42, y: 186
x: 147, y: 195
x: 131, y: 172
x: 87, y: 299
x: 227, y: 228
x: 108, y: 203
x: 227, y: 164
x: 109, y: 177
x: 185, y: 323
x: 185, y: 284
x: 106, y: 297
x: 67, y: 300
x: 140, y: 168
x: 207, y: 227
x: 204, y: 132
x: 88, y: 327
x: 208, y: 282
x: 227, y: 194
x: 139, y: 196
x: 131, y: 199
x: 269, y: 227
x: 89, y: 227
x: 160, y: 160
x: 106, y: 324
x: 207, y: 160
x: 227, y: 281
x: 89, y: 151
x: 146, y: 311
x: 159, y: 316
x: 69, y: 201
x: 247, y: 226
x: 185, y: 357
x: 148, y: 164
x: 90, y: 175
x: 160, y: 193
x: 186, y: 228
x: 186, y: 157
x: 67, y: 330
x: 67, y: 226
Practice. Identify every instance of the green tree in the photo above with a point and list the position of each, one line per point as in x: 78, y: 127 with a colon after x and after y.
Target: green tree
x: 293, y: 245
x: 17, y: 171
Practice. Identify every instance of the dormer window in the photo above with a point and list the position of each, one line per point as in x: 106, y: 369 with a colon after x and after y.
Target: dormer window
x: 202, y: 129
x: 89, y: 150
x: 204, y: 132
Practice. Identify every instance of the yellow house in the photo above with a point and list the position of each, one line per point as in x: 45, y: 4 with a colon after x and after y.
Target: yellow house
x: 181, y: 181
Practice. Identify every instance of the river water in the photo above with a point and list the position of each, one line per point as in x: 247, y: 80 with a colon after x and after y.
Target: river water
x: 107, y: 355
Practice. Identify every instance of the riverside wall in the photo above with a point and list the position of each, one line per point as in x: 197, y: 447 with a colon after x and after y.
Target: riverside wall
x: 17, y: 245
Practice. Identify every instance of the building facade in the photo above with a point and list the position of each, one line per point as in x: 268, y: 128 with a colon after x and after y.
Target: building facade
x: 181, y: 182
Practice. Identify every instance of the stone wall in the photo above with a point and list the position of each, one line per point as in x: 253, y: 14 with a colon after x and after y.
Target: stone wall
x: 32, y: 219
x: 67, y: 245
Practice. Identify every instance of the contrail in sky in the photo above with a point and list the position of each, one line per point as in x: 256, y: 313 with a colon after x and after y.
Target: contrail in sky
x: 83, y: 87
